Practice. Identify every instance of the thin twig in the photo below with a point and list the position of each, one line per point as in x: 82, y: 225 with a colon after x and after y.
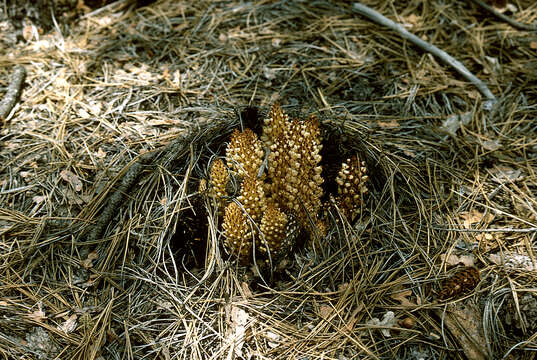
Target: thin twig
x: 507, y: 19
x: 13, y: 91
x: 514, y: 230
x: 441, y: 54
x: 105, y: 8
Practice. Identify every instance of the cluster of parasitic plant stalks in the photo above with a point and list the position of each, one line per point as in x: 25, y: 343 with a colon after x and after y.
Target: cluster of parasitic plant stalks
x: 279, y: 177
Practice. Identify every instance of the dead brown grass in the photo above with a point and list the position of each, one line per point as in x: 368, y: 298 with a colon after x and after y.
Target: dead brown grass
x: 132, y: 105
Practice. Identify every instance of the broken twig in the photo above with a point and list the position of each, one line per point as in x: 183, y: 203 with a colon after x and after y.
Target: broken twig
x: 13, y: 91
x: 516, y: 24
x: 445, y: 57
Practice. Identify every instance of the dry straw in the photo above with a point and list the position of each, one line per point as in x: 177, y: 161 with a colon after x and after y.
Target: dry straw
x: 107, y: 249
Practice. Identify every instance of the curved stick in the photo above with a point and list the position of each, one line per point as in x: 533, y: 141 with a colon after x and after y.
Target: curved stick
x: 13, y: 91
x: 516, y: 24
x: 444, y: 56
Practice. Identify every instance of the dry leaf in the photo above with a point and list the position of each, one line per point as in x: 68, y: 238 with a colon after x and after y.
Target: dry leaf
x: 176, y: 81
x: 533, y: 45
x: 491, y: 145
x: 511, y: 7
x: 325, y: 311
x: 238, y: 316
x: 474, y: 217
x: 409, y: 153
x: 454, y: 122
x: 82, y: 6
x: 388, y: 124
x: 29, y: 31
x: 484, y: 237
x: 467, y: 260
x: 493, y: 64
x: 388, y: 320
x: 100, y: 154
x: 246, y: 290
x: 402, y: 298
x: 239, y: 319
x: 498, y: 4
x: 96, y: 108
x: 504, y: 174
x: 83, y: 113
x: 91, y: 281
x: 269, y: 73
x: 75, y: 198
x: 412, y: 18
x: 71, y: 179
x: 38, y: 315
x: 111, y: 336
x: 274, y: 339
x: 88, y: 263
x: 69, y: 325
x: 473, y: 94
x: 342, y: 287
x: 464, y: 320
x: 489, y: 241
x: 38, y: 199
x: 353, y: 319
x: 514, y: 261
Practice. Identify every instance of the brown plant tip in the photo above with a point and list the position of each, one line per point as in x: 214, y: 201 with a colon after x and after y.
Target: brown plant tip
x: 275, y: 126
x: 219, y: 178
x: 352, y: 186
x: 244, y: 153
x: 274, y: 229
x: 294, y: 169
x: 322, y: 228
x: 463, y: 282
x: 237, y: 232
x: 252, y: 197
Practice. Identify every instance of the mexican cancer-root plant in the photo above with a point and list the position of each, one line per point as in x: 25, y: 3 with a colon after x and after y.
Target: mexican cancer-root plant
x: 280, y: 177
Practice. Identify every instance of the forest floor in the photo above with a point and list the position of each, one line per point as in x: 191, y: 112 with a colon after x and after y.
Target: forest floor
x: 104, y: 252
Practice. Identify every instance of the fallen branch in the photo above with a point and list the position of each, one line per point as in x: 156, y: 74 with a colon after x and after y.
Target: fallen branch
x: 13, y: 91
x: 513, y: 230
x: 445, y: 57
x: 516, y: 24
x: 118, y: 196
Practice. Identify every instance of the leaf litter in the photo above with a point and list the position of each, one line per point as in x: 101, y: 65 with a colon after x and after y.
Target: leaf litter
x: 125, y: 82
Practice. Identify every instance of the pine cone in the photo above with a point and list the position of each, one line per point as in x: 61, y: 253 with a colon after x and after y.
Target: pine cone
x: 463, y: 282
